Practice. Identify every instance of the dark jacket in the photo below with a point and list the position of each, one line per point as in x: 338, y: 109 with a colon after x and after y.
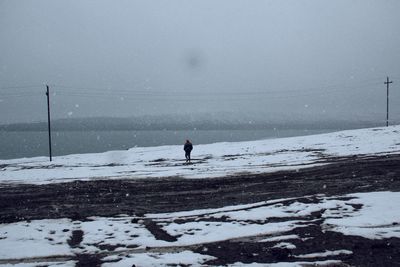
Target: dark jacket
x: 188, y: 147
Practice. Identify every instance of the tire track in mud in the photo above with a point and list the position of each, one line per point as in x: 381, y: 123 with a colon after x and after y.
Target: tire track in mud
x: 81, y: 199
x: 308, y: 238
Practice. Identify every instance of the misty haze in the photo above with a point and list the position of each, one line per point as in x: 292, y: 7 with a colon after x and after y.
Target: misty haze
x: 299, y: 65
x: 199, y: 133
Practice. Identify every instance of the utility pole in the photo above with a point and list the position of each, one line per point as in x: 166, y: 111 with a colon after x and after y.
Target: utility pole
x: 387, y: 100
x: 48, y: 119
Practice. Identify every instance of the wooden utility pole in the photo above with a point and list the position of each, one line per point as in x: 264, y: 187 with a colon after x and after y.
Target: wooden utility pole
x: 48, y: 119
x: 387, y: 100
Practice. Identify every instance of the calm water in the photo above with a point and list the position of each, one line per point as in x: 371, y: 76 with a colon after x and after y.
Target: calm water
x: 30, y: 144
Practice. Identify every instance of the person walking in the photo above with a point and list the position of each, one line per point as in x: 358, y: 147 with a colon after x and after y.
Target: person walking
x: 188, y: 147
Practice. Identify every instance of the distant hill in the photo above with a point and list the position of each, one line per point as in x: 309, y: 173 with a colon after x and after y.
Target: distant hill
x: 182, y: 122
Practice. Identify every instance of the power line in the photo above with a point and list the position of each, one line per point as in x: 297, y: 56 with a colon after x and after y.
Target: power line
x: 209, y: 94
x: 20, y: 87
x: 177, y: 96
x: 8, y: 96
x: 109, y: 91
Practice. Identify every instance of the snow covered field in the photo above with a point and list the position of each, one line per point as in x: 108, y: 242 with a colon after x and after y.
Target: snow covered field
x: 287, y: 230
x: 369, y: 215
x: 213, y: 160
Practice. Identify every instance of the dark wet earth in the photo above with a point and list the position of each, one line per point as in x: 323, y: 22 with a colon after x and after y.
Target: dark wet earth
x: 81, y: 199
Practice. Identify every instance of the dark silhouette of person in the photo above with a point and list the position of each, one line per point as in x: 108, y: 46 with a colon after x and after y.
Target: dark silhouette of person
x: 188, y: 147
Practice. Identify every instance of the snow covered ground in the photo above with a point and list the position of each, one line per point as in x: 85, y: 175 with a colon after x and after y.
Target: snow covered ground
x: 373, y: 215
x: 193, y: 237
x: 212, y: 160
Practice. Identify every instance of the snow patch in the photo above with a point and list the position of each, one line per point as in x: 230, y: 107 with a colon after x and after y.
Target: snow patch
x: 212, y: 160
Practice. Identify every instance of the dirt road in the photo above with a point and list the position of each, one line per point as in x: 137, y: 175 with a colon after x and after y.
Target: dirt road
x: 113, y: 197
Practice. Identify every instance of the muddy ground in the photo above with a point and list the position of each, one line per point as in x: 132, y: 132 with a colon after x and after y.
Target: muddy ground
x: 79, y: 200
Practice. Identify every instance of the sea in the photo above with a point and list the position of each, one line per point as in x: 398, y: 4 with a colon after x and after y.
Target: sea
x: 25, y: 144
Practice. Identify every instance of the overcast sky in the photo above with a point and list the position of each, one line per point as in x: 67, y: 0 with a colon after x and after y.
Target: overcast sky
x: 309, y: 59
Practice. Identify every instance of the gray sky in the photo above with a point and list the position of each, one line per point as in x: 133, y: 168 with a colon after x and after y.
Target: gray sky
x: 300, y: 59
